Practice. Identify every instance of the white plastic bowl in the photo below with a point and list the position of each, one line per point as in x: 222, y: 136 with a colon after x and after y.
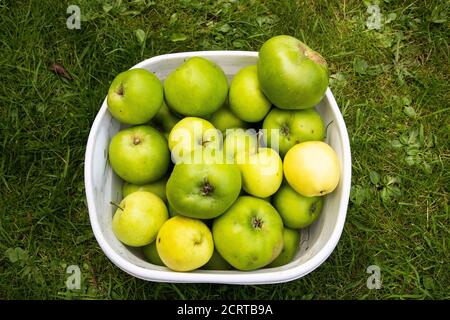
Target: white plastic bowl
x: 102, y: 186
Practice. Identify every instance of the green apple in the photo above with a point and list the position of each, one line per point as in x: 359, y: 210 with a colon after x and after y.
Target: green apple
x: 312, y: 168
x: 239, y: 144
x: 291, y: 75
x: 224, y: 119
x: 246, y: 99
x: 293, y: 126
x: 135, y: 96
x: 196, y: 88
x: 203, y: 190
x: 263, y: 173
x: 217, y: 262
x: 157, y: 187
x: 139, y: 155
x: 249, y: 235
x: 191, y: 136
x: 184, y: 244
x: 291, y: 243
x: 151, y: 254
x: 138, y: 218
x: 297, y: 211
x: 164, y: 119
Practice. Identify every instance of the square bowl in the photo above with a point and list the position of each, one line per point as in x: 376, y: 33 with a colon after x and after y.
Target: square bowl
x: 103, y: 186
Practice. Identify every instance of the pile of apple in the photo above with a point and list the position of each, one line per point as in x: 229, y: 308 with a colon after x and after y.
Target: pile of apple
x: 219, y: 176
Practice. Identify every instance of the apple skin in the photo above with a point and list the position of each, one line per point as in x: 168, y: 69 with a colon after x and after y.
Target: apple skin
x: 190, y: 135
x: 157, y: 187
x: 151, y: 254
x: 196, y: 88
x: 184, y: 244
x: 164, y: 119
x: 135, y: 96
x: 142, y: 216
x: 297, y: 211
x: 203, y: 190
x: 139, y: 155
x: 239, y: 144
x: 291, y: 243
x: 217, y: 262
x: 312, y: 168
x: 262, y: 175
x: 294, y: 126
x: 291, y: 75
x: 246, y: 98
x: 249, y: 235
x: 224, y: 119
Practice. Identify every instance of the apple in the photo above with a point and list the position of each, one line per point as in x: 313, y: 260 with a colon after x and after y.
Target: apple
x: 157, y: 187
x: 203, y: 190
x: 196, y: 88
x: 224, y: 119
x: 217, y: 262
x: 291, y: 243
x: 249, y: 235
x: 151, y: 254
x: 191, y: 136
x: 245, y: 97
x: 312, y: 168
x: 135, y: 96
x: 184, y: 244
x: 294, y: 126
x: 138, y: 218
x: 164, y: 119
x: 297, y: 211
x: 239, y: 144
x: 291, y: 75
x: 139, y: 155
x: 263, y: 173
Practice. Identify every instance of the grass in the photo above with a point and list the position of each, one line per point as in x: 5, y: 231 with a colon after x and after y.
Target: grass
x: 392, y: 86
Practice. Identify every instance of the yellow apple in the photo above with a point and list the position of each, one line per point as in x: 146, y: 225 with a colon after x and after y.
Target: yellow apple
x: 239, y: 144
x: 262, y: 174
x: 184, y: 244
x: 312, y: 168
x: 191, y: 136
x: 138, y: 218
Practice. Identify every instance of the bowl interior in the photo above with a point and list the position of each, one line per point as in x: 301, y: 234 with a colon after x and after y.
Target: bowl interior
x: 103, y: 186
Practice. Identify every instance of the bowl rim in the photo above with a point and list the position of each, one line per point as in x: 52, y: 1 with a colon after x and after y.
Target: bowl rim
x: 261, y: 276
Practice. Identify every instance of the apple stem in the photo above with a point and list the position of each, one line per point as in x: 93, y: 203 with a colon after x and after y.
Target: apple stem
x: 326, y: 128
x: 136, y: 141
x: 205, y: 142
x: 116, y: 205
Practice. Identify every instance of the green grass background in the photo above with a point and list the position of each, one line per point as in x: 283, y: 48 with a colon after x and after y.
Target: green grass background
x: 392, y: 86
